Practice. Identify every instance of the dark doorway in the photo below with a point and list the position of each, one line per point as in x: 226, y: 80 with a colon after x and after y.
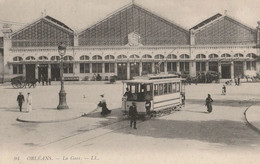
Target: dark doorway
x: 43, y: 72
x: 147, y: 68
x: 55, y: 72
x: 121, y: 71
x: 238, y: 69
x: 30, y: 72
x: 226, y: 71
x: 134, y: 70
x: 213, y: 66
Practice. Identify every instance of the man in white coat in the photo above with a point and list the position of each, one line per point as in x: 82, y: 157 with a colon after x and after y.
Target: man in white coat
x: 29, y: 102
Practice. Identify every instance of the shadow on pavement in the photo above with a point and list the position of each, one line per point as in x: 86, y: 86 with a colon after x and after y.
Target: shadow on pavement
x: 233, y: 103
x: 222, y: 131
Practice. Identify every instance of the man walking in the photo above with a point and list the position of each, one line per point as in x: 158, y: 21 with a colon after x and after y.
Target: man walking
x: 133, y: 114
x: 20, y: 100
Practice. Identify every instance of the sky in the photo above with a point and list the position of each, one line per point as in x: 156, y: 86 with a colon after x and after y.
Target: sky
x: 80, y: 14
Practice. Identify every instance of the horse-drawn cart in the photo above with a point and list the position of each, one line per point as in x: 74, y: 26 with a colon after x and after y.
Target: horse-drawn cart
x: 20, y: 82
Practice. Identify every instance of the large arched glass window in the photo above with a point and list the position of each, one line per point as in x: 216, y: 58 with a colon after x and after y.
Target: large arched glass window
x: 121, y: 57
x: 17, y: 58
x: 55, y: 58
x: 68, y: 58
x: 109, y: 57
x: 251, y: 55
x: 184, y: 56
x: 211, y: 56
x: 84, y: 57
x: 134, y: 56
x: 171, y: 56
x: 43, y: 58
x: 159, y: 56
x: 146, y: 56
x: 30, y: 58
x: 200, y: 56
x: 97, y: 57
x: 225, y: 55
x: 238, y: 55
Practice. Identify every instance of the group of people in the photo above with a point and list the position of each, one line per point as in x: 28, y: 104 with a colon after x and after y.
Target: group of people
x: 21, y: 100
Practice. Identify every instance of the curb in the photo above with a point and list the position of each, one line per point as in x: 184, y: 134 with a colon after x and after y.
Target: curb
x: 249, y: 124
x: 51, y: 121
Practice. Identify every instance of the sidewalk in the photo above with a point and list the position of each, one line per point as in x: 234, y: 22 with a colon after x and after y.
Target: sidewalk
x: 252, y: 115
x: 48, y: 115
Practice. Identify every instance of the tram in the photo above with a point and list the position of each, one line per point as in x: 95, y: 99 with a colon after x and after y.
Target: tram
x: 162, y: 93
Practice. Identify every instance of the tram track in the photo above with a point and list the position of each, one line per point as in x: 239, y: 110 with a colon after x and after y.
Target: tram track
x: 98, y: 131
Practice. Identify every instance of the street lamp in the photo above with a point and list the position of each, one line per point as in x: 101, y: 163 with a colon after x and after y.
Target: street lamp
x: 62, y: 94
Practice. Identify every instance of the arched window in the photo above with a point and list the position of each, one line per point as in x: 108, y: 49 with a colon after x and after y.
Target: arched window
x: 53, y: 58
x: 121, y: 57
x: 17, y: 58
x: 84, y: 57
x: 43, y: 58
x: 200, y: 56
x: 97, y: 57
x: 146, y: 56
x: 251, y: 55
x: 68, y: 57
x: 109, y: 57
x: 184, y: 56
x: 213, y: 56
x: 225, y: 55
x: 171, y: 56
x: 159, y: 56
x: 238, y: 55
x: 134, y: 56
x: 30, y: 58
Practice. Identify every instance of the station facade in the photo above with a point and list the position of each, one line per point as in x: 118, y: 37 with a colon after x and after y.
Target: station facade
x: 131, y: 41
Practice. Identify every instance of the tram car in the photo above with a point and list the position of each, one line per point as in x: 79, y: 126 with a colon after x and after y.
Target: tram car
x: 154, y: 94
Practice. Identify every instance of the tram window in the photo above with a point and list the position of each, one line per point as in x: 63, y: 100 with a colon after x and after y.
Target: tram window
x: 133, y: 90
x: 169, y: 87
x: 156, y: 89
x: 160, y: 89
x: 177, y: 87
x: 173, y: 87
x: 165, y: 88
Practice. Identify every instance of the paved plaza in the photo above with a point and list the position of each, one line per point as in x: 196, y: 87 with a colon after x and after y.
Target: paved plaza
x: 191, y: 135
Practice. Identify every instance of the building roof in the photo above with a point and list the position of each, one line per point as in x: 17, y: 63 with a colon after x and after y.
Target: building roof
x: 57, y: 22
x: 206, y: 21
x: 139, y: 7
x: 47, y: 18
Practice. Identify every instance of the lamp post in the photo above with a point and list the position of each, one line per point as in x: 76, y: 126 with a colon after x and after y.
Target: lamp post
x: 62, y: 94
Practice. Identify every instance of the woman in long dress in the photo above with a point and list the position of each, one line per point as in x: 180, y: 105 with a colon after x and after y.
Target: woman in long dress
x: 29, y: 102
x: 208, y: 103
x: 103, y: 104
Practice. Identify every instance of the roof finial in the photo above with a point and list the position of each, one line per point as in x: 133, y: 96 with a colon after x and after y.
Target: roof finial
x: 133, y: 1
x: 225, y: 12
x: 45, y: 12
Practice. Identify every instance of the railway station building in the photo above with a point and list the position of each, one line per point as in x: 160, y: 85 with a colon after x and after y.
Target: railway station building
x: 129, y: 42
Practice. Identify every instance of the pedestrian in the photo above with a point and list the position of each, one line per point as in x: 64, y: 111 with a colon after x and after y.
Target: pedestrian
x: 49, y: 81
x: 29, y: 102
x: 128, y: 94
x: 224, y: 90
x: 208, y: 103
x: 133, y: 115
x: 148, y: 106
x: 20, y: 100
x: 238, y: 80
x: 103, y: 105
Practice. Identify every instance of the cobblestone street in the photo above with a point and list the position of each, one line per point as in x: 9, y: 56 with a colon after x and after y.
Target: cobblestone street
x: 191, y: 132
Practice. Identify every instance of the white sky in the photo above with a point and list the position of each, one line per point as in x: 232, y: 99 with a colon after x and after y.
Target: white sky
x: 80, y: 14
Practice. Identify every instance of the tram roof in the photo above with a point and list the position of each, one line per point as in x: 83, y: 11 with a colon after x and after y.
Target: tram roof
x: 147, y: 81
